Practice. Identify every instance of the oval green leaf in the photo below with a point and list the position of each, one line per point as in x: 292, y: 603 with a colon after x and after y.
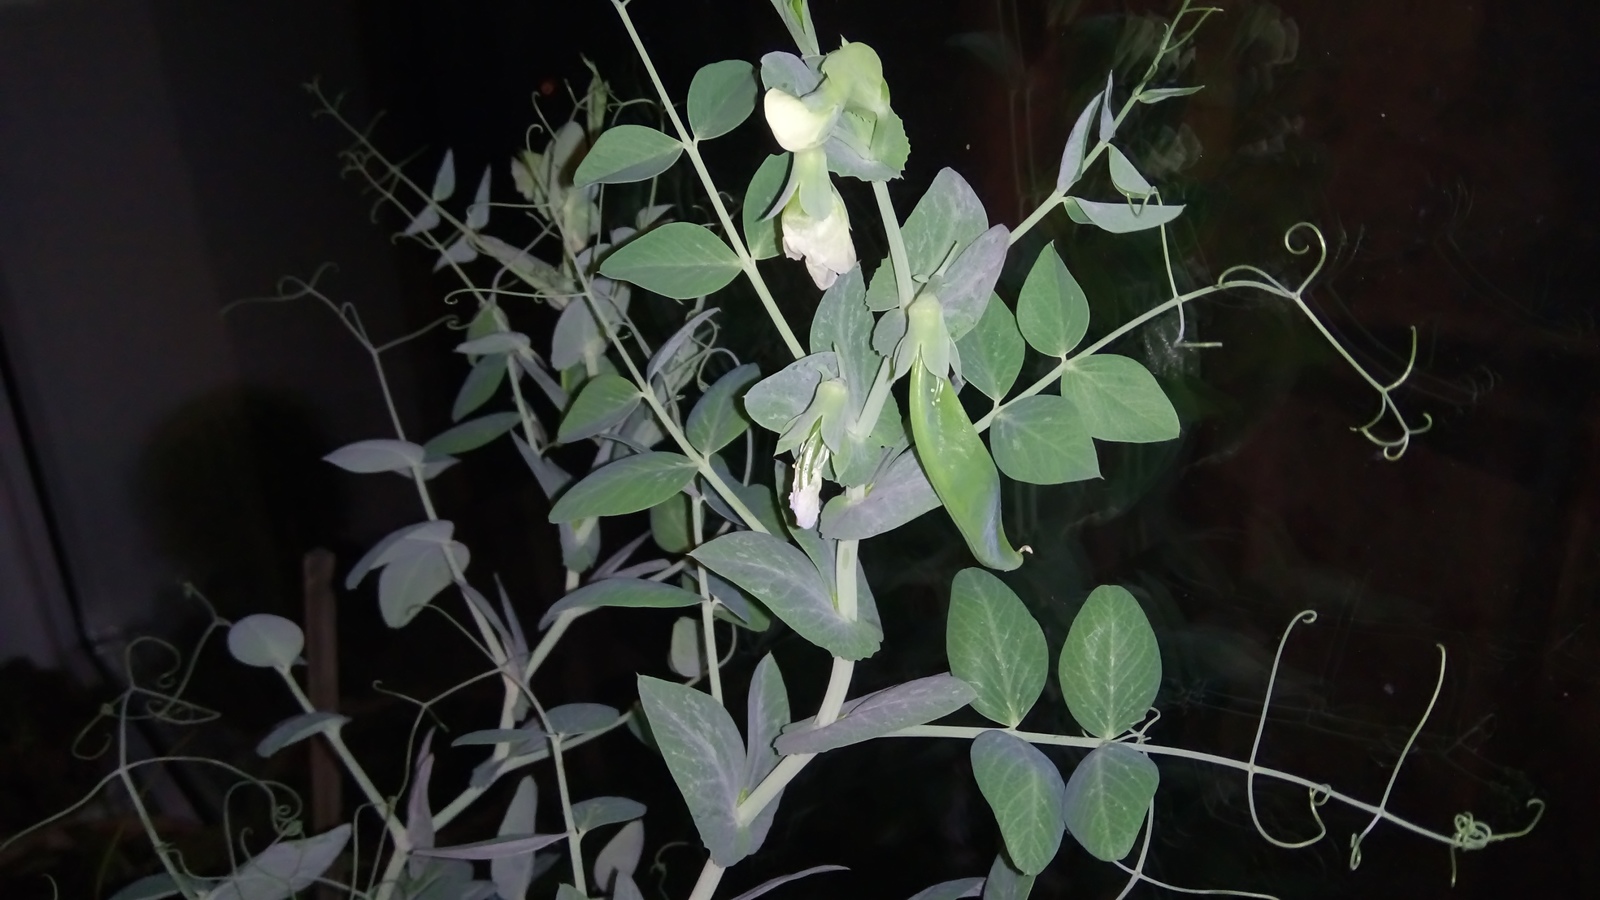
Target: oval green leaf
x: 1028, y: 797
x: 995, y: 645
x: 680, y: 260
x: 959, y: 468
x: 628, y: 485
x: 1052, y: 310
x: 721, y: 96
x: 1119, y: 399
x: 1042, y: 440
x: 625, y: 154
x: 605, y: 400
x: 1107, y: 799
x: 1110, y: 666
x: 716, y: 419
x: 266, y: 641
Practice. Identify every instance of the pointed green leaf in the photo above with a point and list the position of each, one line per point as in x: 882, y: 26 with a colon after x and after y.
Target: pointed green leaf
x: 951, y: 890
x: 503, y: 847
x: 1121, y: 217
x: 629, y: 593
x: 1110, y: 667
x: 1028, y: 797
x: 1052, y: 310
x: 716, y: 419
x: 284, y: 868
x: 157, y: 887
x: 580, y: 718
x: 419, y: 570
x: 758, y: 214
x: 1119, y: 399
x: 471, y: 434
x: 991, y: 353
x: 766, y: 712
x: 619, y: 858
x: 605, y: 401
x: 705, y: 755
x: 995, y: 645
x: 787, y: 583
x: 1077, y: 146
x: 1043, y: 440
x: 598, y: 812
x: 628, y: 485
x: 916, y: 702
x: 1126, y: 177
x: 1108, y: 797
x: 959, y: 468
x: 380, y: 455
x: 966, y: 286
x: 625, y: 154
x: 721, y: 96
x: 513, y: 874
x: 680, y: 260
x: 796, y: 15
x: 480, y: 384
x: 1157, y: 95
x: 947, y: 218
x: 297, y: 728
x: 781, y: 880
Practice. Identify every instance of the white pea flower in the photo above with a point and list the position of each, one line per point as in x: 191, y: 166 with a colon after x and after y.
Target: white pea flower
x: 805, y: 497
x: 823, y: 243
x: 800, y: 124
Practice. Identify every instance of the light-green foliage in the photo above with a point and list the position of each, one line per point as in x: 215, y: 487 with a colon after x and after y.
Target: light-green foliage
x: 679, y: 431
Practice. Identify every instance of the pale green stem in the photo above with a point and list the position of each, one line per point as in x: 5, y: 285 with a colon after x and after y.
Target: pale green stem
x: 126, y: 775
x: 691, y: 149
x: 573, y: 850
x: 897, y: 243
x: 336, y: 741
x: 844, y: 576
x: 706, y: 885
x: 707, y: 621
x: 668, y: 423
x: 1055, y: 197
x: 790, y: 766
x: 876, y: 397
x: 1055, y: 373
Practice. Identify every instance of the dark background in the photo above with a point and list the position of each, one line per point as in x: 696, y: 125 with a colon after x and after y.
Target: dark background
x: 159, y: 161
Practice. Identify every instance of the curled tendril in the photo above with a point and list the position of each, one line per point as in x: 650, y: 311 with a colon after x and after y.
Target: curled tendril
x: 1471, y: 834
x: 1356, y: 839
x: 1300, y: 239
x: 1318, y: 795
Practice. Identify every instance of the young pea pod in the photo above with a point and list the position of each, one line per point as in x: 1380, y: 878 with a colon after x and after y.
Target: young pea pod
x: 959, y: 468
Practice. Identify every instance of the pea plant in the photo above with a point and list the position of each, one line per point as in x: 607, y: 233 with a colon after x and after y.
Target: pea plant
x: 869, y: 427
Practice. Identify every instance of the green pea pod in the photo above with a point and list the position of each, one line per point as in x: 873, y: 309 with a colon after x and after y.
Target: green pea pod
x: 959, y: 468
